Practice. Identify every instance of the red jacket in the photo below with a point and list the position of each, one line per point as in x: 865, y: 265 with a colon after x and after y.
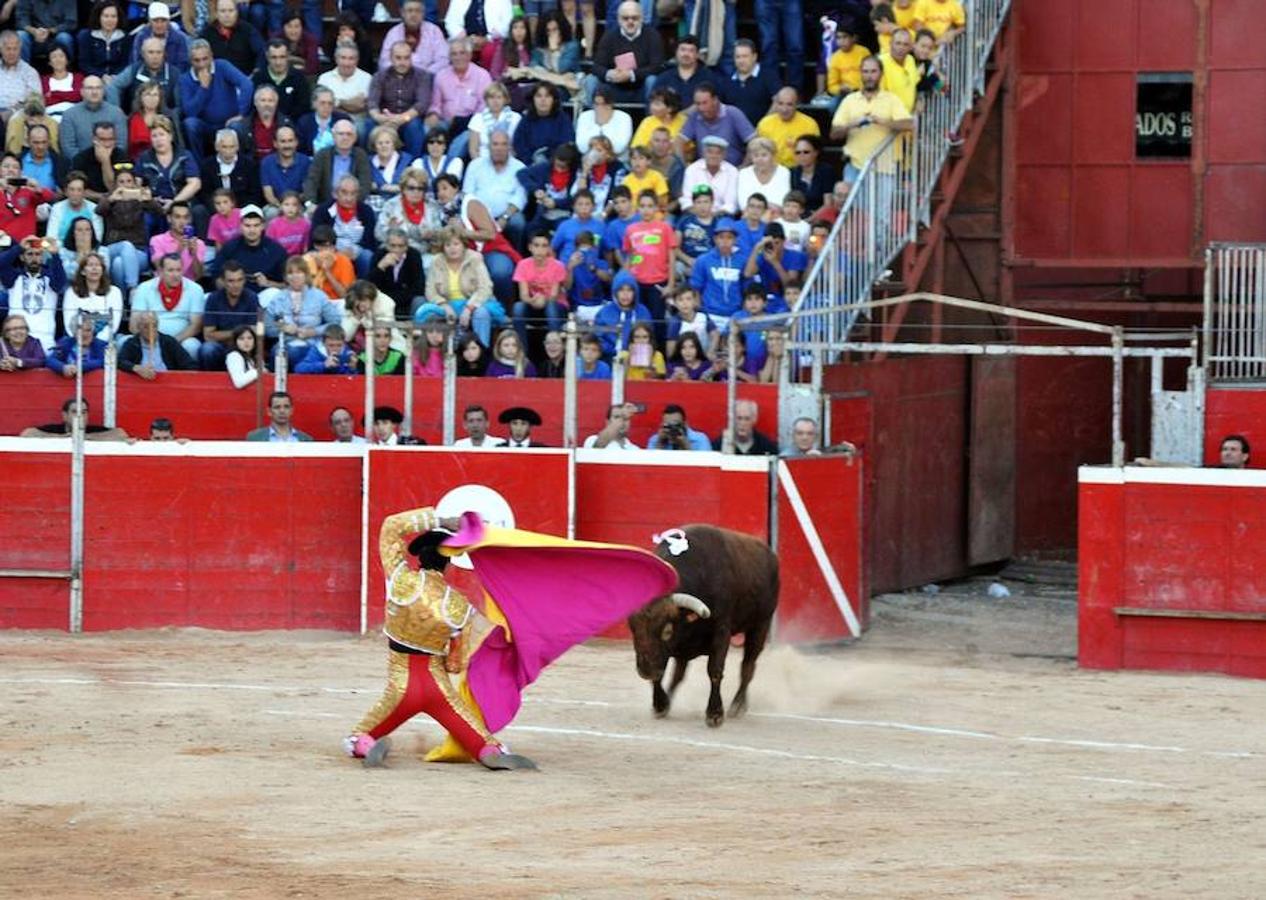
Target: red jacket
x: 17, y: 210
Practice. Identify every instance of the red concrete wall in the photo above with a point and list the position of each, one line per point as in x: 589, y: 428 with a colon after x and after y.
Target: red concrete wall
x: 35, y: 520
x: 1174, y: 546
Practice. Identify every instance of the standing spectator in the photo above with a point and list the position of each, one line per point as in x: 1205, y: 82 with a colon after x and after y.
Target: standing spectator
x: 298, y: 314
x: 78, y: 123
x: 261, y: 256
x: 124, y: 212
x: 285, y: 170
x: 17, y: 79
x: 782, y: 38
x: 334, y: 163
x: 944, y: 18
x: 717, y: 276
x: 865, y: 119
x: 348, y: 83
x: 901, y: 69
x: 39, y: 163
x: 545, y: 127
x: 425, y: 40
x: 587, y: 277
x: 279, y: 430
x: 44, y: 24
x: 604, y: 119
x: 175, y: 43
x: 62, y: 87
x: 151, y: 66
x: 649, y: 246
x: 104, y: 47
x: 294, y: 97
x: 541, y: 305
x: 148, y: 351
x: 459, y: 288
x: 81, y: 349
x: 232, y: 40
x: 18, y: 352
x: 715, y: 173
x: 352, y: 222
x: 316, y: 128
x: 627, y: 58
x: 717, y: 27
x: 686, y: 71
x: 458, y: 93
x: 397, y: 271
x: 494, y: 181
x: 240, y: 362
x: 213, y: 94
x: 495, y: 116
x: 228, y: 309
x: 752, y: 86
x: 91, y: 293
x: 786, y: 125
x: 180, y: 238
x: 35, y: 280
x: 178, y: 302
x: 712, y: 118
x: 399, y: 96
x: 231, y: 170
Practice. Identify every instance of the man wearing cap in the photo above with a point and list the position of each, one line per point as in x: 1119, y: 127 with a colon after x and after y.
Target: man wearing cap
x: 718, y: 275
x: 521, y: 419
x: 262, y: 258
x: 175, y: 42
x: 712, y: 118
x: 75, y: 131
x: 387, y: 421
x: 475, y: 420
x: 713, y: 170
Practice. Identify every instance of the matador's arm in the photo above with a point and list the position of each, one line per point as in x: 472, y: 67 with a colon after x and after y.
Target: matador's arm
x: 393, y: 547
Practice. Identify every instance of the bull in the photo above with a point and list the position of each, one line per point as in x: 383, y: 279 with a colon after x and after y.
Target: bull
x: 727, y: 585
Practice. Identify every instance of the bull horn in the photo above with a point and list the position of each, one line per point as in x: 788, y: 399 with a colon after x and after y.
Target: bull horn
x: 692, y: 603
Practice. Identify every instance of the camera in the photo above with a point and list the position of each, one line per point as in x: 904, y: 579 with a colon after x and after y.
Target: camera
x: 16, y: 182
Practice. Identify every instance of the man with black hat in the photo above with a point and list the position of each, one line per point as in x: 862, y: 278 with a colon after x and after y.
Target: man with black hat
x: 521, y: 419
x: 387, y: 421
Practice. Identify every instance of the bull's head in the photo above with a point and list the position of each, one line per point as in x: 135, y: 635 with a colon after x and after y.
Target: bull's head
x: 654, y: 629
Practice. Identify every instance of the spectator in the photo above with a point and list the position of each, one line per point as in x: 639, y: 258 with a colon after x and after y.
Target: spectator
x: 149, y: 105
x: 459, y: 288
x: 40, y: 163
x: 900, y: 69
x: 21, y: 197
x: 161, y: 429
x: 663, y: 111
x: 424, y: 39
x: 428, y: 358
x: 715, y: 173
x: 17, y: 79
x: 695, y: 228
x: 600, y: 171
x: 604, y: 119
x: 62, y: 87
x: 100, y: 162
x: 844, y: 68
x: 124, y: 213
x: 587, y: 277
x: 178, y: 302
x: 832, y: 204
x: 645, y: 361
x: 689, y: 319
x: 925, y: 59
x: 437, y: 161
x: 329, y: 356
x: 241, y: 360
x: 556, y: 59
x: 388, y: 163
x: 261, y: 256
x: 675, y: 434
x: 298, y: 314
x: 365, y: 305
x: 104, y: 47
x: 775, y: 355
x: 409, y: 213
x: 667, y: 163
x: 343, y: 426
x: 613, y: 236
x: 387, y: 421
x: 712, y: 118
x: 352, y: 222
x: 316, y: 128
x: 91, y: 293
x: 747, y: 440
x: 331, y: 270
x: 553, y: 361
x: 751, y: 225
x: 70, y: 412
x: 35, y: 280
x: 79, y: 349
x: 291, y: 229
x: 752, y: 87
x: 494, y: 181
x: 257, y: 133
x: 627, y: 58
x: 804, y: 439
x: 687, y: 71
x: 151, y: 66
x: 231, y: 170
x: 649, y: 247
x: 944, y: 18
x: 793, y: 224
x: 782, y: 37
x: 1233, y: 452
x: 231, y: 40
x: 615, y: 433
x: 77, y: 128
x: 397, y: 272
x: 477, y: 227
x: 347, y: 82
x: 785, y: 126
x: 229, y: 308
x: 399, y: 96
x: 472, y: 357
x: 509, y: 358
x: 545, y: 127
x: 44, y: 24
x: 540, y: 277
x: 28, y: 111
x: 475, y: 420
x: 176, y: 46
x: 349, y: 28
x: 495, y: 116
x: 387, y: 360
x: 279, y: 429
x: 18, y: 351
x: 458, y: 93
x: 81, y: 241
x: 592, y: 366
x: 148, y: 351
x: 809, y: 175
x: 866, y: 118
x: 718, y: 276
x: 212, y: 94
x: 515, y: 51
x: 226, y: 222
x: 548, y: 186
x: 334, y: 163
x: 644, y: 178
x: 615, y: 319
x: 284, y: 171
x: 719, y: 371
x: 752, y: 338
x: 302, y: 46
x: 689, y: 362
x: 294, y: 97
x: 775, y: 264
x: 583, y: 220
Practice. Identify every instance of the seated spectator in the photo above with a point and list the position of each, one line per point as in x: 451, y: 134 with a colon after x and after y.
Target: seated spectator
x: 100, y: 162
x: 541, y: 305
x: 695, y: 229
x: 475, y: 223
x: 343, y: 426
x: 291, y: 229
x: 600, y: 171
x: 615, y: 433
x: 437, y: 161
x: 459, y: 288
x: 753, y: 338
x: 750, y: 227
x: 147, y: 110
x: 458, y: 93
x: 508, y: 358
x: 35, y: 280
x: 775, y: 357
x: 148, y: 351
x: 615, y: 319
x: 472, y: 357
x: 747, y: 440
x: 804, y: 439
x: 279, y: 429
x: 592, y: 366
x: 714, y: 172
x: 387, y: 421
x: 348, y: 83
x: 793, y: 223
x: 63, y: 213
x: 676, y: 434
x: 484, y: 25
x: 604, y: 119
x: 720, y: 368
x: 18, y: 350
x: 365, y: 308
x: 627, y: 58
x: 209, y: 94
x: 316, y: 128
x: 387, y: 360
x: 297, y: 315
x: 21, y: 197
x: 544, y: 126
x: 230, y: 39
x: 667, y: 163
x: 178, y: 302
x: 649, y: 246
x: 335, y: 163
x: 388, y: 163
x: 170, y: 172
x: 176, y: 45
x: 829, y: 211
x: 588, y: 275
x: 425, y: 40
x: 475, y: 421
x: 663, y: 111
x: 397, y: 273
x: 229, y: 308
x: 20, y: 80
x: 104, y: 47
x: 352, y: 223
x: 283, y: 172
x: 39, y: 163
x: 148, y: 66
x: 329, y: 356
x: 644, y: 178
x: 786, y: 125
x: 689, y: 319
x: 90, y: 293
x: 751, y: 88
x: 548, y: 187
x: 409, y: 213
x: 583, y: 220
x: 27, y: 112
x: 428, y: 358
x: 844, y: 68
x: 515, y: 51
x: 81, y: 241
x: 43, y: 26
x: 643, y: 360
x: 70, y: 412
x: 225, y: 223
x: 763, y: 176
x: 232, y: 170
x: 686, y: 72
x: 717, y: 276
x: 399, y: 96
x: 688, y: 363
x: 556, y: 57
x: 495, y: 116
x: 62, y: 87
x: 494, y: 181
x: 79, y: 349
x: 776, y: 265
x: 303, y: 46
x: 257, y: 133
x: 553, y: 361
x: 261, y: 256
x: 124, y: 213
x: 712, y: 118
x: 329, y: 269
x: 294, y: 97
x: 241, y: 361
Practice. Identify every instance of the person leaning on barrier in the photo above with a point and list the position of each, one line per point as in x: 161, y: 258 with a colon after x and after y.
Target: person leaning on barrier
x: 19, y: 351
x: 343, y: 426
x: 675, y: 434
x: 148, y: 351
x: 747, y: 440
x: 615, y: 433
x: 63, y: 428
x: 804, y: 441
x: 279, y: 430
x: 1233, y: 453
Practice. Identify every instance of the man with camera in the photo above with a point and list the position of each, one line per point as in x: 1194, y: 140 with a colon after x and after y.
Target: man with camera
x: 675, y: 434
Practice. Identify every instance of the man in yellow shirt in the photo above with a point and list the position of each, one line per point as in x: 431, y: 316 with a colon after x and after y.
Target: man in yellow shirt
x: 865, y: 119
x: 907, y: 14
x: 900, y: 72
x: 944, y: 18
x: 786, y: 125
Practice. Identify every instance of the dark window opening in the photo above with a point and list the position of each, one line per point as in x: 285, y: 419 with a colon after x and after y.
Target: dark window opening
x: 1162, y: 117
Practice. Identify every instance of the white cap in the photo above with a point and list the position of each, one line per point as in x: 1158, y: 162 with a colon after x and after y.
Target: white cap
x: 159, y: 10
x: 251, y: 209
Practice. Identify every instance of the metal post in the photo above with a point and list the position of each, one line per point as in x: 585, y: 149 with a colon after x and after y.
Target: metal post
x: 77, y: 498
x: 110, y: 388
x: 617, y: 366
x: 1118, y: 388
x: 731, y: 387
x: 569, y: 382
x: 1208, y: 309
x: 260, y: 334
x: 449, y: 400
x: 370, y: 386
x: 281, y: 365
x: 410, y: 337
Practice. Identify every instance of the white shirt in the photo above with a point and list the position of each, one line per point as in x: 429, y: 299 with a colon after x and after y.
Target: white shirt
x: 773, y: 192
x: 622, y: 444
x: 619, y: 130
x: 346, y: 88
x: 489, y: 441
x: 108, y: 305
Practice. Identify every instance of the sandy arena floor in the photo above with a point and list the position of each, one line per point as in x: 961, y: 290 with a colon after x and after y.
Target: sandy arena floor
x: 955, y: 752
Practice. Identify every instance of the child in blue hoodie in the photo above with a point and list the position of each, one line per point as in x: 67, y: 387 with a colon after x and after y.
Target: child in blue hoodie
x: 619, y: 313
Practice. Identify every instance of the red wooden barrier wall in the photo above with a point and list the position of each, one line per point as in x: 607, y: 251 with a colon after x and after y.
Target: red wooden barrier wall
x: 1235, y: 411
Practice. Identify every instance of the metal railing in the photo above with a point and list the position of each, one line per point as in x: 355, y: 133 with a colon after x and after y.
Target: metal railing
x: 893, y: 192
x: 1235, y: 312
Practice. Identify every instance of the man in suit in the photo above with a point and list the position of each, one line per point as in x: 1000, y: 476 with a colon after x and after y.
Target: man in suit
x: 332, y: 163
x: 279, y: 430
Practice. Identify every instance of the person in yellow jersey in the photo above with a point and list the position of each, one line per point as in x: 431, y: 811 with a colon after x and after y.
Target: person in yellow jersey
x: 866, y: 118
x: 900, y: 69
x: 785, y: 125
x: 944, y: 18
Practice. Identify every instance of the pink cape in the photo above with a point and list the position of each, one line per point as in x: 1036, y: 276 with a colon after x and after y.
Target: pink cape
x: 554, y: 593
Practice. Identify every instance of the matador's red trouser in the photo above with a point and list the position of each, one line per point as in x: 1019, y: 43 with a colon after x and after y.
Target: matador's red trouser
x: 418, y: 682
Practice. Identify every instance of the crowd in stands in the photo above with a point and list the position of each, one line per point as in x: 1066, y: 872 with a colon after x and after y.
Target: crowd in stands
x: 175, y: 174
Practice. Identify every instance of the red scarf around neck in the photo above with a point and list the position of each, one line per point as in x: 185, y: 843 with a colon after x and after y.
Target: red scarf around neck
x: 413, y: 212
x: 169, y: 295
x: 345, y: 213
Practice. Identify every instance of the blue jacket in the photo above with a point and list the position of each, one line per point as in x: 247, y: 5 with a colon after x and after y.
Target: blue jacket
x: 177, y: 51
x: 313, y: 362
x: 612, y: 316
x: 230, y: 94
x: 306, y: 129
x: 536, y: 178
x: 96, y: 57
x: 719, y: 282
x: 315, y: 311
x: 66, y: 353
x: 535, y: 133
